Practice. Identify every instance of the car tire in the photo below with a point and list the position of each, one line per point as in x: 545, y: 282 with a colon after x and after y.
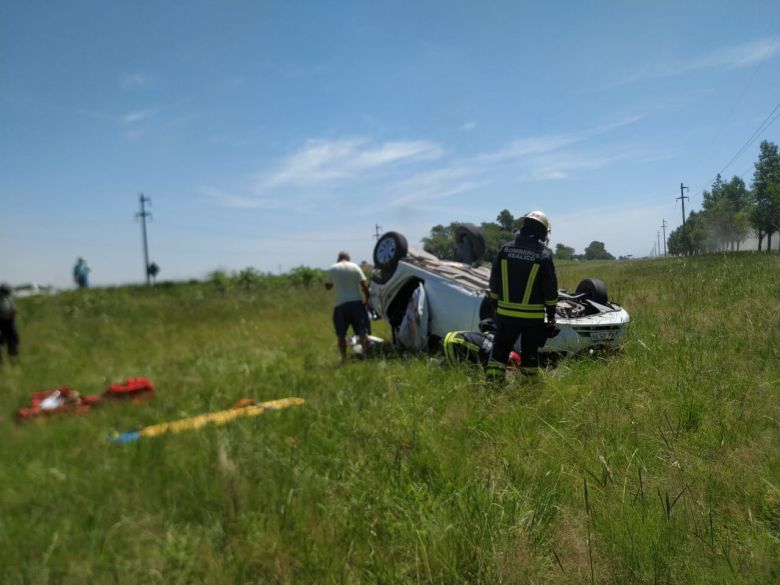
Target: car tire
x: 389, y: 249
x: 593, y: 289
x: 469, y: 243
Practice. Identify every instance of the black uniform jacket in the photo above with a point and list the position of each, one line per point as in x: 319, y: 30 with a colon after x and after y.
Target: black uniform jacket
x: 523, y: 279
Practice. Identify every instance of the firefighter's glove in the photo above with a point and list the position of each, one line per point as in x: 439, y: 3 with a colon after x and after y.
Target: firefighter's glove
x: 551, y: 328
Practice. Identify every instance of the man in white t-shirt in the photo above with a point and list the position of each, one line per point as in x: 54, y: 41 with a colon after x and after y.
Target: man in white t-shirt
x: 348, y: 282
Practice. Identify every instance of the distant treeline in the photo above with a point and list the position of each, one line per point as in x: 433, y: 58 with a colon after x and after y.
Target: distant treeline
x: 441, y: 241
x: 731, y: 212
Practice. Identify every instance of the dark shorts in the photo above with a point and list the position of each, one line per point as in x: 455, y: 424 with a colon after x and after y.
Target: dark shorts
x: 352, y: 314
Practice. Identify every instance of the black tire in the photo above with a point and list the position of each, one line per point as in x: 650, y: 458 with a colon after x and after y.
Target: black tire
x: 389, y: 249
x: 594, y: 289
x: 469, y: 243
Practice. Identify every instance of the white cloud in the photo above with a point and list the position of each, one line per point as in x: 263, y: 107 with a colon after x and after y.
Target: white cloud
x: 249, y: 201
x: 731, y: 57
x: 436, y: 184
x: 537, y: 145
x: 529, y: 146
x: 559, y: 166
x: 470, y: 125
x: 322, y: 161
x: 736, y: 55
x: 135, y: 80
x: 137, y: 116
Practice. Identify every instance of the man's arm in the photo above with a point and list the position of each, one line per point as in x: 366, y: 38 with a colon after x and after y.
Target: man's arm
x: 365, y: 289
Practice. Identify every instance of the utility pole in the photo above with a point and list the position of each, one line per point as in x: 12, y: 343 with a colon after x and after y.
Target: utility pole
x: 682, y: 199
x: 658, y: 238
x: 377, y: 231
x: 143, y: 214
x: 663, y: 226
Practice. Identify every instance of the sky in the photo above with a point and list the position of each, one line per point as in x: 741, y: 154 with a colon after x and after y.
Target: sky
x: 273, y: 134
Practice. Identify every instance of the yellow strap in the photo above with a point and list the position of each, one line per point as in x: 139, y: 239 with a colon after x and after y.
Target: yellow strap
x: 520, y: 314
x: 529, y: 287
x: 218, y: 418
x: 521, y: 306
x: 505, y: 279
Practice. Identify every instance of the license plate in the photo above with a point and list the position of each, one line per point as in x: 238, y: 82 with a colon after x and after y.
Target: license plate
x: 602, y: 335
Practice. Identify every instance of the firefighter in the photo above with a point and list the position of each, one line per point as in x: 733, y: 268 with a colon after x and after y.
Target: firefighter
x: 472, y: 346
x: 525, y: 288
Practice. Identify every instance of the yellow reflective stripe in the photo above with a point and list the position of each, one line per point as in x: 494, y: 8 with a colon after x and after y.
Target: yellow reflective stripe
x: 471, y: 346
x: 530, y: 285
x: 449, y: 351
x: 495, y: 365
x: 551, y: 302
x: 521, y: 306
x: 520, y: 314
x: 450, y: 340
x: 493, y: 295
x: 505, y: 279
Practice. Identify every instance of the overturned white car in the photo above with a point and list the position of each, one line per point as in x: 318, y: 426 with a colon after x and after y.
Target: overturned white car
x: 423, y: 298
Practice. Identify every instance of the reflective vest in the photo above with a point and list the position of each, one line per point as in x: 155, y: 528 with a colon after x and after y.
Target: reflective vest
x: 523, y: 280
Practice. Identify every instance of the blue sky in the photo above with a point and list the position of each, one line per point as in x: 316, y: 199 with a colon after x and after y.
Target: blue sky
x: 274, y: 134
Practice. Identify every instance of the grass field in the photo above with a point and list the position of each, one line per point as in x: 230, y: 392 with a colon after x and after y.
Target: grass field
x: 657, y: 465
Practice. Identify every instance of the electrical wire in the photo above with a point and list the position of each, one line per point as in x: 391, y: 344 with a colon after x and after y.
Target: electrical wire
x: 753, y: 137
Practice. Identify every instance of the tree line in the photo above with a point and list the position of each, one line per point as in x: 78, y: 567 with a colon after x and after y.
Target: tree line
x: 496, y: 234
x: 731, y: 212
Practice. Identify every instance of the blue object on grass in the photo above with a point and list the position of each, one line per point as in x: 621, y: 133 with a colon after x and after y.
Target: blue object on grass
x: 124, y: 437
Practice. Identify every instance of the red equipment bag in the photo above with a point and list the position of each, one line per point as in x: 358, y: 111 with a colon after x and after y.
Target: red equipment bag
x: 63, y: 400
x: 134, y: 388
x: 57, y: 401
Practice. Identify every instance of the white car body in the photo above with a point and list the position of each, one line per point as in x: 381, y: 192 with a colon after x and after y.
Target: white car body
x: 453, y: 297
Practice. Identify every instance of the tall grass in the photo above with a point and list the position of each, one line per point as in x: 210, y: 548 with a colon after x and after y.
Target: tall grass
x: 656, y: 465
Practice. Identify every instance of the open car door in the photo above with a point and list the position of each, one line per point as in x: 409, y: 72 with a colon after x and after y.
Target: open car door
x: 413, y: 331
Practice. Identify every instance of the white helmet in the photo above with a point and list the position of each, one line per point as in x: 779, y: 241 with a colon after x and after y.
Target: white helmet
x: 540, y: 217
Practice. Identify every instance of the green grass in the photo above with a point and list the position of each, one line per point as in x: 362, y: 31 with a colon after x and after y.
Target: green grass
x: 656, y: 465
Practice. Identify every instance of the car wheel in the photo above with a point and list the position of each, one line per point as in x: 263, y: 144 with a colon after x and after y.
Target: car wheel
x: 389, y: 249
x: 594, y: 289
x: 469, y: 243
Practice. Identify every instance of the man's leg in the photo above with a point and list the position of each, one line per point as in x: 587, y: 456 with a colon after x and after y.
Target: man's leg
x: 531, y: 337
x: 506, y: 336
x: 364, y: 327
x: 340, y: 323
x: 342, y: 342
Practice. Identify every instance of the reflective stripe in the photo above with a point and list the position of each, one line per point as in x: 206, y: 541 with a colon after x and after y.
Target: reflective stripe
x: 449, y: 353
x: 520, y: 314
x: 521, y: 306
x: 495, y: 365
x: 551, y: 302
x: 530, y: 284
x: 452, y: 339
x: 493, y: 295
x: 505, y: 278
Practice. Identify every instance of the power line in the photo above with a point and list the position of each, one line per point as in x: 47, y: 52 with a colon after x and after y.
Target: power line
x: 763, y: 126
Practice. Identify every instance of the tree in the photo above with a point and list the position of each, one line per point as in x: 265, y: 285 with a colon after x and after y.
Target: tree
x: 726, y: 212
x: 495, y: 237
x: 563, y: 252
x: 505, y: 220
x: 765, y: 216
x: 695, y: 238
x: 441, y: 241
x: 597, y: 251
